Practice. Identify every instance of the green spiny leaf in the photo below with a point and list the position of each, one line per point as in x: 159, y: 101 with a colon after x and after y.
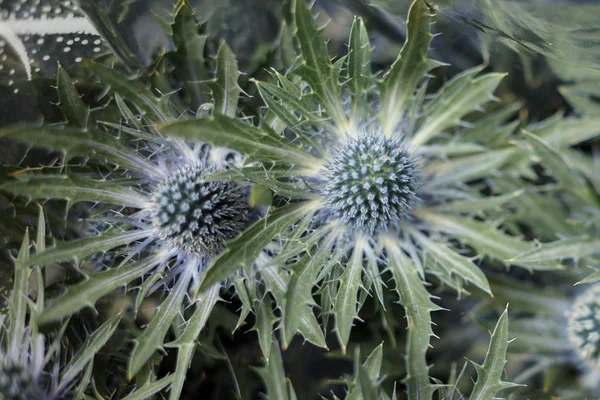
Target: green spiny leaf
x: 418, y: 307
x: 345, y: 307
x: 188, y: 57
x: 154, y: 334
x: 75, y: 189
x: 457, y: 98
x: 359, y: 67
x: 273, y: 375
x: 225, y: 87
x: 464, y: 169
x: 73, y: 108
x: 317, y: 68
x: 256, y: 144
x: 477, y: 205
x: 489, y: 375
x: 81, y: 248
x: 553, y: 252
x: 155, y: 108
x: 87, y: 293
x: 265, y: 318
x: 484, y: 129
x: 243, y: 250
x: 150, y: 389
x: 400, y: 83
x: 18, y: 303
x: 72, y: 142
x: 453, y: 262
x: 88, y: 350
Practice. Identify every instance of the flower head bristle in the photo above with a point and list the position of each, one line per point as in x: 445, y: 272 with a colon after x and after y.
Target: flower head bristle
x: 198, y: 217
x: 16, y: 383
x: 370, y: 182
x: 584, y: 325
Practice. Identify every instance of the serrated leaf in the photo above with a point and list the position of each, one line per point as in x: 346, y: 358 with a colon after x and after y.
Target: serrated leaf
x: 317, y: 69
x: 72, y: 142
x: 81, y: 248
x: 87, y: 293
x: 464, y: 169
x: 150, y: 389
x: 133, y: 90
x: 570, y: 248
x: 359, y: 68
x: 265, y: 318
x: 18, y: 301
x: 594, y: 277
x: 243, y: 250
x: 188, y: 57
x: 371, y: 368
x: 186, y: 343
x: 489, y: 375
x: 225, y: 88
x: 485, y: 238
x: 345, y: 306
x: 482, y: 131
x: 561, y: 132
x: 477, y: 205
x: 242, y: 294
x: 154, y: 334
x: 459, y: 97
x: 88, y: 350
x: 256, y: 144
x: 73, y: 108
x: 75, y: 189
x: 298, y: 296
x: 400, y: 83
x: 273, y: 376
x: 418, y: 307
x: 453, y: 262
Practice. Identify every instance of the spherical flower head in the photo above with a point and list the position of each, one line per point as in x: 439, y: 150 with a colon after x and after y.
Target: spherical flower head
x: 584, y: 325
x: 370, y: 183
x: 16, y: 383
x: 198, y: 217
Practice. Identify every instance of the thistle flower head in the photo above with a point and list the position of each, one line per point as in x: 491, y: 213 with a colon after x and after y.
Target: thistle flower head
x: 17, y: 383
x: 584, y: 325
x: 195, y: 216
x: 370, y: 182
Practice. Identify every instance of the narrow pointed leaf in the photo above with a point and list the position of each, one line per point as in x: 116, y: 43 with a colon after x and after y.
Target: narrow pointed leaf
x: 18, y: 303
x: 452, y: 106
x: 346, y: 303
x: 73, y: 108
x: 489, y: 375
x: 418, y: 307
x: 273, y: 376
x: 570, y: 248
x: 75, y: 189
x: 150, y: 389
x: 188, y: 57
x: 88, y: 350
x: 256, y: 144
x: 359, y: 67
x: 317, y: 69
x: 243, y: 250
x: 154, y: 334
x: 225, y: 88
x: 81, y: 248
x: 400, y: 83
x: 87, y: 293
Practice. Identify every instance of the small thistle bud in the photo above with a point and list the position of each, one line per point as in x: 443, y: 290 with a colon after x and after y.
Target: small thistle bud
x: 370, y: 183
x: 16, y: 383
x: 198, y: 217
x: 584, y: 325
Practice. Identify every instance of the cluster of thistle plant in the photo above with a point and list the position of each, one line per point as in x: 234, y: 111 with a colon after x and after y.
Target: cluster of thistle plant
x: 382, y: 190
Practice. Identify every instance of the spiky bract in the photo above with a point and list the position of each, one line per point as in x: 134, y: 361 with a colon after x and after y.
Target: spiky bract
x: 195, y: 216
x: 370, y: 183
x: 584, y: 325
